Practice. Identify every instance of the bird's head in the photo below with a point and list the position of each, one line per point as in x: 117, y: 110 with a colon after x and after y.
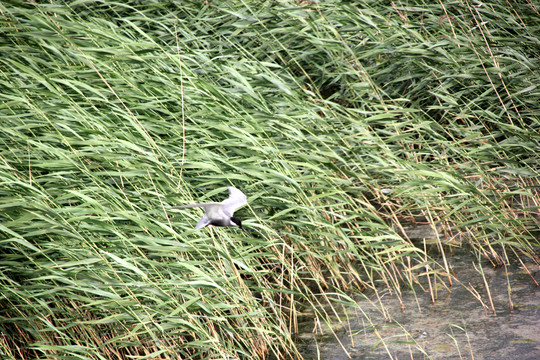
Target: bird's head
x: 237, y: 222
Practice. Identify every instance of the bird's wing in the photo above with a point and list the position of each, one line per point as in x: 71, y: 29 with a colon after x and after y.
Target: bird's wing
x: 203, y: 205
x: 202, y: 223
x: 236, y: 199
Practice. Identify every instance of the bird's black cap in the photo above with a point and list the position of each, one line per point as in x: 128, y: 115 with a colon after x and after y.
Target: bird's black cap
x: 238, y: 222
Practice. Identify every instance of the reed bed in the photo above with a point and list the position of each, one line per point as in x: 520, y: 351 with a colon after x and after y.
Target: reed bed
x: 341, y: 122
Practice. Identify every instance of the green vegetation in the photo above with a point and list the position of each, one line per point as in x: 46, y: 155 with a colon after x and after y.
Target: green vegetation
x: 341, y: 121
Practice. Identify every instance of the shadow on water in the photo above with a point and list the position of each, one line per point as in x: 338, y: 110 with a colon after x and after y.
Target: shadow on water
x: 458, y: 325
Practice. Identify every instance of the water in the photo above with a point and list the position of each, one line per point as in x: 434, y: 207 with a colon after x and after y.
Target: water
x: 456, y: 326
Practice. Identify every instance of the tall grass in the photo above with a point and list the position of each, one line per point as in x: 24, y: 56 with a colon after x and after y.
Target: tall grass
x: 341, y: 122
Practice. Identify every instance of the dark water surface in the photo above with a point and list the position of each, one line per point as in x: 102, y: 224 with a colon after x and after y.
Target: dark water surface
x: 456, y: 326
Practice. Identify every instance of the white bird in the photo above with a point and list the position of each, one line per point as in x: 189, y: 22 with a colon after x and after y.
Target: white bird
x: 220, y: 214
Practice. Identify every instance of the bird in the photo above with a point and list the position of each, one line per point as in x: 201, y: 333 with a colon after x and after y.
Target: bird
x: 220, y: 214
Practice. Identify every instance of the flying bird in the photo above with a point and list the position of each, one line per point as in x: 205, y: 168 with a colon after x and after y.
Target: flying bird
x: 220, y: 214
